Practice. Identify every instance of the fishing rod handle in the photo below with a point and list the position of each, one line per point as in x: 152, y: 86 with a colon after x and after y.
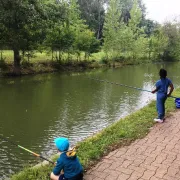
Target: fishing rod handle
x: 47, y: 160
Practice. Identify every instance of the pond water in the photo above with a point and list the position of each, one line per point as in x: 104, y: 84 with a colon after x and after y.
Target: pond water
x: 36, y: 109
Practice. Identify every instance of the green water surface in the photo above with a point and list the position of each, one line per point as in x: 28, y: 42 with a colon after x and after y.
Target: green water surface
x: 36, y: 109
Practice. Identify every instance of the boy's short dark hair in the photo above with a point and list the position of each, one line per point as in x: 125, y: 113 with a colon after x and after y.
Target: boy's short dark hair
x: 162, y: 73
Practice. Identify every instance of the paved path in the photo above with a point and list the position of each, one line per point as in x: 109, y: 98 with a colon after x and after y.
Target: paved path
x: 156, y: 157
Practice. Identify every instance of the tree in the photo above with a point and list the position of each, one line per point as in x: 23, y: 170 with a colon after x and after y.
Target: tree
x: 59, y: 34
x: 149, y: 26
x: 136, y: 16
x: 112, y: 30
x: 139, y: 41
x: 20, y: 26
x: 159, y: 43
x: 93, y: 12
x: 86, y: 42
x: 127, y: 5
x: 70, y: 34
x: 172, y: 31
x: 121, y: 39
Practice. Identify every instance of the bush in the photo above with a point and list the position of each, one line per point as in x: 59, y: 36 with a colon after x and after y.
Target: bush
x: 26, y: 64
x: 105, y: 60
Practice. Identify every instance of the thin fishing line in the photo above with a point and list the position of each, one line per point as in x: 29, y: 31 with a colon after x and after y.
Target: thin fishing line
x: 132, y: 87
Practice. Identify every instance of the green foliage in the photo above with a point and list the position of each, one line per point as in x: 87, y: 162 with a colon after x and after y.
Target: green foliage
x: 136, y: 16
x: 86, y: 42
x: 71, y: 35
x: 121, y: 39
x: 21, y: 24
x: 159, y: 43
x: 139, y: 41
x: 71, y: 28
x: 48, y: 24
x: 149, y: 26
x: 172, y: 31
x: 93, y: 12
x: 136, y: 39
x: 59, y: 35
x: 40, y: 173
x: 113, y: 30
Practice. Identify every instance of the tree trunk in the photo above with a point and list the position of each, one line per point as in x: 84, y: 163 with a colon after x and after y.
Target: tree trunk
x: 114, y: 64
x: 99, y: 21
x: 17, y: 60
x: 28, y: 56
x: 149, y: 55
x: 59, y: 55
x: 56, y: 56
x: 1, y: 58
x: 52, y: 51
x: 68, y: 56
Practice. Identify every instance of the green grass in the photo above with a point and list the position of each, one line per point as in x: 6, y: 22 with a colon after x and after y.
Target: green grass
x: 42, y: 63
x: 123, y: 132
x: 98, y: 56
x: 41, y: 173
x: 38, y: 57
x: 45, y: 56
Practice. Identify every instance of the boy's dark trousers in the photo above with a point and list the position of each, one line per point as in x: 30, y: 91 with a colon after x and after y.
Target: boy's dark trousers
x: 78, y: 177
x: 160, y: 104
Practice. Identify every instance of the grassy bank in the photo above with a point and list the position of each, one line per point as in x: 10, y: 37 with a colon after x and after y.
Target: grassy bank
x: 27, y: 68
x: 7, y: 56
x: 121, y: 133
x: 43, y: 63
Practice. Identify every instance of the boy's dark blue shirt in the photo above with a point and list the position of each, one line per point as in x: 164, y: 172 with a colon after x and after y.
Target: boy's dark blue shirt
x: 69, y: 164
x: 162, y: 85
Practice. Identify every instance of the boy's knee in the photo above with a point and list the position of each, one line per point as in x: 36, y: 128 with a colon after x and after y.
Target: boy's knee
x: 53, y: 177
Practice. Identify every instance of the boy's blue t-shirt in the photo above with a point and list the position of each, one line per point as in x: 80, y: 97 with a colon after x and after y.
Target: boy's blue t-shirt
x: 162, y: 85
x: 70, y: 165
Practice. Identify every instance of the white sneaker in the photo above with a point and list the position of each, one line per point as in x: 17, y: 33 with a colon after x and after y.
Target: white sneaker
x: 158, y: 120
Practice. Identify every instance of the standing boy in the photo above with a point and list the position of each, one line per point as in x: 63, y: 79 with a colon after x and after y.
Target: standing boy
x: 67, y: 162
x: 162, y: 94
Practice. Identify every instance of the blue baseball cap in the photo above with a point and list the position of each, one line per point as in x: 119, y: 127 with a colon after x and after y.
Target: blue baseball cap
x: 62, y: 143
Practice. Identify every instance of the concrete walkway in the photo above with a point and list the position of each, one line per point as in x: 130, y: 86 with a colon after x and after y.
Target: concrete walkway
x: 156, y: 157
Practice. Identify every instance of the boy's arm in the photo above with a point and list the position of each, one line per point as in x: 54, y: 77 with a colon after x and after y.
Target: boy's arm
x: 156, y: 89
x: 57, y: 169
x: 171, y: 89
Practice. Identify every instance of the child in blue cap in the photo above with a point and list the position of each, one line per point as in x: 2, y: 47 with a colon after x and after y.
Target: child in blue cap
x: 162, y: 94
x: 67, y: 162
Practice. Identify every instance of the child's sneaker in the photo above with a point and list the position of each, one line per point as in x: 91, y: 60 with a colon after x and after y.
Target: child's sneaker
x: 158, y: 120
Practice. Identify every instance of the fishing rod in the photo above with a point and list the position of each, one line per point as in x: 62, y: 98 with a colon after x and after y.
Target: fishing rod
x: 132, y: 87
x: 35, y: 154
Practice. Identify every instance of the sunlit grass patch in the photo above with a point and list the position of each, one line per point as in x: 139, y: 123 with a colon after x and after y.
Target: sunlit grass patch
x: 47, y: 56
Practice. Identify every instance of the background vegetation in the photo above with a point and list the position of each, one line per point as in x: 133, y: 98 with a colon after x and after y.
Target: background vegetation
x: 72, y: 30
